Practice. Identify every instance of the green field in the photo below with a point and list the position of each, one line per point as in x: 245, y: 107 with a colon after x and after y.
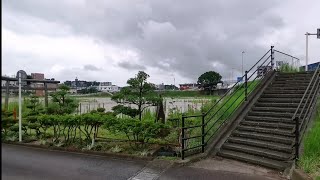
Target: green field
x: 176, y: 94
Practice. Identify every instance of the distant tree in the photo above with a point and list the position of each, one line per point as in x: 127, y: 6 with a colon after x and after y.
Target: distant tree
x: 139, y: 92
x: 61, y: 102
x: 209, y: 80
x: 67, y: 83
x: 88, y: 90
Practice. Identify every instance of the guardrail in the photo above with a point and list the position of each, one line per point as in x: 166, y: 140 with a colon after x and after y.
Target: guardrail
x: 198, y: 130
x: 307, y: 103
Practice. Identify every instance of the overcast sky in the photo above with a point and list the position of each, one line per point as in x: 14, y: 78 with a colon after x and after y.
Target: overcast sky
x: 111, y: 40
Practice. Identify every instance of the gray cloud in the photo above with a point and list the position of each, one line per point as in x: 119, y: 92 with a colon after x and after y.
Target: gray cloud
x: 90, y: 67
x: 131, y: 66
x: 185, y: 37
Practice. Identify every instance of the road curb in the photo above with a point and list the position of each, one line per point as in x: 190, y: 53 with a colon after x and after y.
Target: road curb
x: 84, y: 152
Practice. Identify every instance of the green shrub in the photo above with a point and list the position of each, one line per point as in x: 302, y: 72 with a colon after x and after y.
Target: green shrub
x: 101, y: 110
x: 288, y: 68
x: 138, y: 131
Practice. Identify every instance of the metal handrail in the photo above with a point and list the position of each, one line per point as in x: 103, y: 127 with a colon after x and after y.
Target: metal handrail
x: 315, y: 81
x: 205, y: 120
x: 286, y: 54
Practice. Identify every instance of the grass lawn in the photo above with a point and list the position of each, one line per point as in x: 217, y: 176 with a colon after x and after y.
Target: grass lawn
x: 176, y: 94
x: 310, y: 160
x: 216, y: 116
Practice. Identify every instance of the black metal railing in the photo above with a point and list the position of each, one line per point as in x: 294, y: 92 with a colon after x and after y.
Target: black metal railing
x: 198, y: 130
x: 287, y: 59
x: 304, y: 110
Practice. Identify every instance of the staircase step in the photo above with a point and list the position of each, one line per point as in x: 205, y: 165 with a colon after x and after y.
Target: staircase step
x: 275, y: 109
x: 271, y: 114
x: 277, y: 125
x: 269, y: 119
x: 261, y: 152
x: 261, y: 144
x: 299, y: 74
x: 280, y: 100
x: 254, y: 159
x: 296, y: 86
x: 281, y: 95
x: 291, y: 82
x: 264, y: 137
x: 279, y: 131
x: 280, y: 105
x: 285, y: 92
x: 303, y: 78
x: 284, y: 88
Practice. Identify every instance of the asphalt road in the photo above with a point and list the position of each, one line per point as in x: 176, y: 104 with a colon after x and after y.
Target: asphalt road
x: 20, y: 162
x: 30, y: 163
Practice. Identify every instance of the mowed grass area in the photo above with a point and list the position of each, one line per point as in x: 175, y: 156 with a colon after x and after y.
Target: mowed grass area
x: 310, y: 160
x: 216, y: 116
x: 178, y: 93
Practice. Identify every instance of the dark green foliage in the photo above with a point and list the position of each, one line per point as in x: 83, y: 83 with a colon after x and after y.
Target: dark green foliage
x: 6, y: 121
x: 139, y: 92
x: 101, y: 110
x: 61, y: 102
x: 209, y: 80
x: 89, y: 90
x: 138, y: 131
x: 125, y: 110
x: 14, y: 128
x: 288, y: 68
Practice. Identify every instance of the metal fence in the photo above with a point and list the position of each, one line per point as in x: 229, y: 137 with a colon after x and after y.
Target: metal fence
x: 305, y: 108
x: 198, y: 130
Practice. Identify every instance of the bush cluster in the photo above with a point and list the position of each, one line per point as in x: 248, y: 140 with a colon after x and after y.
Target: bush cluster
x: 84, y: 128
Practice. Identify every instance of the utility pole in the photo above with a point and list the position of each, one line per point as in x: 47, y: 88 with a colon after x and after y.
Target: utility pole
x: 20, y: 109
x: 242, y: 63
x: 307, y: 53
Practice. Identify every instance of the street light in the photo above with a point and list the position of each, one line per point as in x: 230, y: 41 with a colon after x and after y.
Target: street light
x: 242, y: 63
x: 308, y: 34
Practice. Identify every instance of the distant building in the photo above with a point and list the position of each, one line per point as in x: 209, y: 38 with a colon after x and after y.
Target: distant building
x: 108, y: 87
x: 4, y: 83
x: 162, y: 87
x: 105, y: 84
x: 38, y: 76
x: 311, y: 67
x: 78, y: 86
x: 73, y: 90
x: 189, y: 86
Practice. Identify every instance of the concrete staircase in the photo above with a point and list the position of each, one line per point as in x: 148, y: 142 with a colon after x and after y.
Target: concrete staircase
x: 266, y: 135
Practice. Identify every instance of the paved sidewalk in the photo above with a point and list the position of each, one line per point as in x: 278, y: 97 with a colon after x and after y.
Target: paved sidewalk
x: 221, y: 169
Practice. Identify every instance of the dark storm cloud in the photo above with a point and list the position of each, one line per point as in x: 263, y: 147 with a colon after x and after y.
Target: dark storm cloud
x: 186, y: 37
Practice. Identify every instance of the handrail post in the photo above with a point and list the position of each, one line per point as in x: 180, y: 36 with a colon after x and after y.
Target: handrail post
x: 202, y: 132
x: 272, y: 57
x: 297, y: 134
x: 246, y: 85
x: 182, y: 137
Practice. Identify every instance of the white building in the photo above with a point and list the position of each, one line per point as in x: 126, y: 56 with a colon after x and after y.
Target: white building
x: 108, y: 87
